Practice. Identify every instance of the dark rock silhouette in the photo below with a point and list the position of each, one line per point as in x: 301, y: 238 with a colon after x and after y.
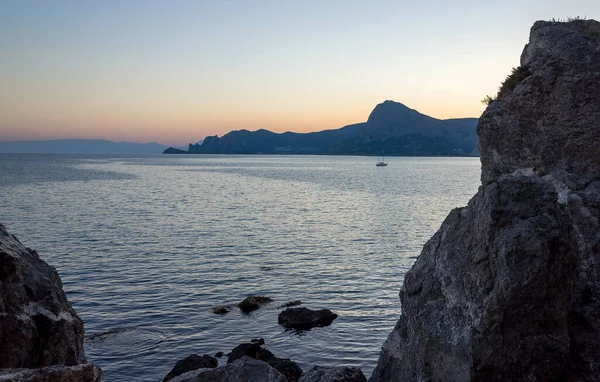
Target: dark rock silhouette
x: 392, y: 128
x: 290, y: 304
x: 285, y: 366
x: 252, y: 303
x: 304, y: 318
x: 173, y: 150
x: 333, y: 374
x: 509, y: 287
x: 243, y: 369
x: 189, y: 363
x: 78, y: 373
x: 221, y: 309
x: 38, y: 326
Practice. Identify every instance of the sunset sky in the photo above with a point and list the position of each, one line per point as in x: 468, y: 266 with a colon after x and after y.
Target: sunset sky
x: 176, y: 71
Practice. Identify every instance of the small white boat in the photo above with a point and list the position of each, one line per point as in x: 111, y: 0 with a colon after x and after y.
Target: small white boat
x: 382, y: 162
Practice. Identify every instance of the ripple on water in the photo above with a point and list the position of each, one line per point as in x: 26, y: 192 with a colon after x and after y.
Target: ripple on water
x: 146, y: 246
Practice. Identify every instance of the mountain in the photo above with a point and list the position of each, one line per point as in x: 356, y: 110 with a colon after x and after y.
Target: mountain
x: 80, y: 146
x: 392, y: 128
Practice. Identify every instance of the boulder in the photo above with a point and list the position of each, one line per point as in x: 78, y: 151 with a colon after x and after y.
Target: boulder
x: 252, y: 303
x: 38, y: 326
x: 304, y: 318
x: 333, y: 374
x: 245, y: 369
x: 509, y: 286
x: 78, y: 373
x: 285, y: 366
x: 190, y: 363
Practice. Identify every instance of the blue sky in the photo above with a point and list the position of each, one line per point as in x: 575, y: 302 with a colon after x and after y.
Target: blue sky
x: 176, y: 71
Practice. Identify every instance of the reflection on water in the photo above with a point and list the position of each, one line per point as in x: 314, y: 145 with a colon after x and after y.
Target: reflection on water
x: 146, y: 246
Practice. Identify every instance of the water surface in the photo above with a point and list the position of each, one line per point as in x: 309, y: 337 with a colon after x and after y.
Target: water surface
x: 146, y: 246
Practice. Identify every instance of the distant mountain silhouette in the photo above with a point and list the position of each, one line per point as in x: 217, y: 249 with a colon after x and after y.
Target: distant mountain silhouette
x: 80, y: 146
x: 392, y: 128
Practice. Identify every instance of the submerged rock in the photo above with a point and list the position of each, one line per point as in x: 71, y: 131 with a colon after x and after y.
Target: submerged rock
x: 290, y: 304
x: 304, y: 318
x: 221, y: 309
x: 509, y: 286
x: 190, y: 363
x: 252, y: 303
x: 245, y: 369
x: 285, y: 366
x: 38, y: 326
x: 77, y: 373
x: 333, y: 374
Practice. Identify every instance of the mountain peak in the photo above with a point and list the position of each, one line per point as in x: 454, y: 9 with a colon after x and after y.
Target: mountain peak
x: 390, y: 113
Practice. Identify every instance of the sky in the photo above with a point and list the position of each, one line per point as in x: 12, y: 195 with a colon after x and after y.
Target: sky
x: 176, y: 71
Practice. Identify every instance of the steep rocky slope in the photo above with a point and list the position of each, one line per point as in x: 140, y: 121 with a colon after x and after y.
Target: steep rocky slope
x: 38, y: 326
x: 509, y: 287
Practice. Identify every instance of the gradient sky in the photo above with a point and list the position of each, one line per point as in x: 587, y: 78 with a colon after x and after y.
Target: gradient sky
x: 177, y: 71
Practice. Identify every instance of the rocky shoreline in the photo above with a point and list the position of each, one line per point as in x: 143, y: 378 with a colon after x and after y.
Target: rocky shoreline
x: 508, y: 288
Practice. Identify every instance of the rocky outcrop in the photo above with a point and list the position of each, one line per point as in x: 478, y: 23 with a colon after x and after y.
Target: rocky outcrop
x: 304, y: 318
x: 41, y: 336
x: 245, y: 369
x: 252, y: 303
x: 509, y: 287
x: 78, y: 373
x: 191, y: 362
x: 333, y: 374
x: 285, y: 366
x: 38, y: 326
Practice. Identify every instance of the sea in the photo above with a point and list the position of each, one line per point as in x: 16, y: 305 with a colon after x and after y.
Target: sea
x: 146, y: 246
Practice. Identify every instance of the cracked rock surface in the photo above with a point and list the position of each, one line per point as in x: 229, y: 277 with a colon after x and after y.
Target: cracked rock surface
x: 509, y: 286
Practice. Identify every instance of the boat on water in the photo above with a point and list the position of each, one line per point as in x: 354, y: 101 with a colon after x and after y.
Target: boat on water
x: 381, y: 163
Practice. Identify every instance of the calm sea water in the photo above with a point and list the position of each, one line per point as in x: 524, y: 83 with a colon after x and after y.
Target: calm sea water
x: 146, y: 246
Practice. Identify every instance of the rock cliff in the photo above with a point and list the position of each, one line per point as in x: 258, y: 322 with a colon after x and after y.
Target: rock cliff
x: 509, y: 287
x: 38, y: 326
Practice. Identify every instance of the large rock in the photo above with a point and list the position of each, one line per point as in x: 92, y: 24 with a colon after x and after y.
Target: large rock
x: 304, y: 318
x: 38, y: 326
x: 509, y: 287
x: 245, y: 369
x: 285, y: 366
x: 333, y: 374
x: 78, y: 373
x: 191, y: 362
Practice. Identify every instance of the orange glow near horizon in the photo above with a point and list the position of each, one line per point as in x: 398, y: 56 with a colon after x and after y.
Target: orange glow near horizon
x: 177, y: 72
x: 180, y: 127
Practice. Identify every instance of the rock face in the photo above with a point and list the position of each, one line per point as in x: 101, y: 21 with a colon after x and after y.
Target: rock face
x: 304, y: 318
x: 509, y: 287
x: 333, y: 374
x: 38, y: 326
x: 78, y: 373
x: 549, y: 122
x: 245, y: 369
x: 189, y: 363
